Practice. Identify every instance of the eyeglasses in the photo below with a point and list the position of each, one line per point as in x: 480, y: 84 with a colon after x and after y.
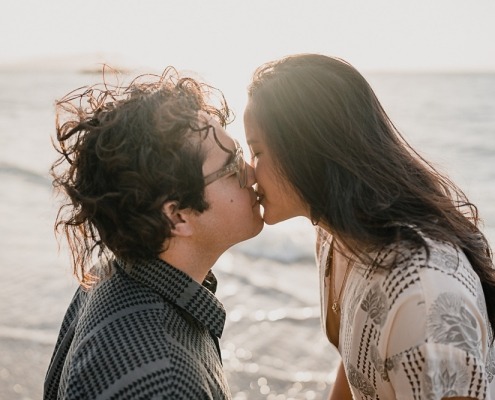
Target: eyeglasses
x: 237, y: 166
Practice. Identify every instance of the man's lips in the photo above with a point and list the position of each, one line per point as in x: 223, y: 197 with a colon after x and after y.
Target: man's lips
x: 259, y: 197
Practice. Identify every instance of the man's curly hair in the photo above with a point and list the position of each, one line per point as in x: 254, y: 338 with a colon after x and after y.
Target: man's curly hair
x: 126, y: 150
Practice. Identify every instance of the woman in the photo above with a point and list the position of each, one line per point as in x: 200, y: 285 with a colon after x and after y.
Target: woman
x: 408, y: 285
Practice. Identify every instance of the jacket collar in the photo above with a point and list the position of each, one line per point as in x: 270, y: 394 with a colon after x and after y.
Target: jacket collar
x: 180, y: 289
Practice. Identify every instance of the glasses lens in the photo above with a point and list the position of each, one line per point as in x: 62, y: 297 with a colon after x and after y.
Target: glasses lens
x: 241, y: 168
x: 242, y: 172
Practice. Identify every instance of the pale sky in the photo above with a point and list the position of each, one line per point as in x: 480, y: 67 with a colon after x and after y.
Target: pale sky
x: 439, y: 34
x: 225, y: 40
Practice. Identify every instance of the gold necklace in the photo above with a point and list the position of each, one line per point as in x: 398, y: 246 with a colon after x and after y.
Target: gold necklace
x: 331, y: 266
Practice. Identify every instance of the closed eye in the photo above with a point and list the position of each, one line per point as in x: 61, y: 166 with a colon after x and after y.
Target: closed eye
x: 254, y: 154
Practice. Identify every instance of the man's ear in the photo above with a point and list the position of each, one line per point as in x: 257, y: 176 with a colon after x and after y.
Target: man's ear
x: 180, y: 218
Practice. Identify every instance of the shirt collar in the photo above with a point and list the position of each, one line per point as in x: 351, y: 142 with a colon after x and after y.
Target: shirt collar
x: 179, y: 288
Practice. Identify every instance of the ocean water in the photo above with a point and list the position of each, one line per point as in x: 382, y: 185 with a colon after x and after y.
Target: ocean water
x: 273, y: 345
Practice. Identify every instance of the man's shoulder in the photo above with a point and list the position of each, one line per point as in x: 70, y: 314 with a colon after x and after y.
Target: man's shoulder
x: 121, y: 311
x: 149, y: 352
x: 117, y: 296
x: 147, y: 374
x: 119, y: 315
x: 140, y: 338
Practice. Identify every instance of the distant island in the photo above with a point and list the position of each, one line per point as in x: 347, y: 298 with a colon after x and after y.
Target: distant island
x: 80, y: 63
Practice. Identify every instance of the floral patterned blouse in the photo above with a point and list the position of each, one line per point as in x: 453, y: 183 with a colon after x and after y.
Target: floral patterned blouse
x: 417, y: 330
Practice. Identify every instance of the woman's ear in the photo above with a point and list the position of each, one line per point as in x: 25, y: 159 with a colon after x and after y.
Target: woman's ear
x: 179, y: 218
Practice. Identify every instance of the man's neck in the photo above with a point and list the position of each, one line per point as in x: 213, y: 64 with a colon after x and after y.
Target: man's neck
x: 189, y: 260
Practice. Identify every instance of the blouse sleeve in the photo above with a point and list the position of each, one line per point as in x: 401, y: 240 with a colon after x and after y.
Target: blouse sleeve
x: 437, y: 337
x: 448, y: 362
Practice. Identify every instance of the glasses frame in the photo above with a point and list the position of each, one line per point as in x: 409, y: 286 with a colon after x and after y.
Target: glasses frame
x: 237, y: 166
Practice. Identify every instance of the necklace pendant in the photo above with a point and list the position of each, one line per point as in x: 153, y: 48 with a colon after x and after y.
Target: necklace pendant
x: 335, y: 307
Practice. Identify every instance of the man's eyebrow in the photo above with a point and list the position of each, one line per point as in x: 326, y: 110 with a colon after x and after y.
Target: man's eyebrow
x: 252, y: 141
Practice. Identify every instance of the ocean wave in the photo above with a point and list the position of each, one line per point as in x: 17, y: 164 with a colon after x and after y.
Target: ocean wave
x: 287, y: 242
x: 26, y: 174
x: 32, y: 335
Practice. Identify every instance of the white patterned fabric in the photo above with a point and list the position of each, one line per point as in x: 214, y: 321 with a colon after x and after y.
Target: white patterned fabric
x: 417, y: 330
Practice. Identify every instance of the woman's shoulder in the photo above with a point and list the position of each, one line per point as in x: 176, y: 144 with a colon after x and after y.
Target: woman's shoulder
x: 423, y: 251
x: 436, y: 279
x: 422, y: 272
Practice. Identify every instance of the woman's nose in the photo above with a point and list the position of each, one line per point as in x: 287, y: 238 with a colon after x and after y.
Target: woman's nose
x: 251, y: 178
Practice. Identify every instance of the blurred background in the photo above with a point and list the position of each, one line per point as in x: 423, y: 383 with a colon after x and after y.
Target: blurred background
x: 432, y: 64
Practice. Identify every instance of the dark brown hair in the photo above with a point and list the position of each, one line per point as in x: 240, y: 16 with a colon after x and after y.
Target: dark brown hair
x: 335, y: 144
x: 126, y: 150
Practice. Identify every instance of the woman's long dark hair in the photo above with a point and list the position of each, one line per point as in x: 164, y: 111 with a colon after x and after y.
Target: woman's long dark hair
x: 332, y: 140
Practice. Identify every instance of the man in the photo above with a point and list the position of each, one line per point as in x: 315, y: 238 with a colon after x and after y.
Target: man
x: 152, y: 178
